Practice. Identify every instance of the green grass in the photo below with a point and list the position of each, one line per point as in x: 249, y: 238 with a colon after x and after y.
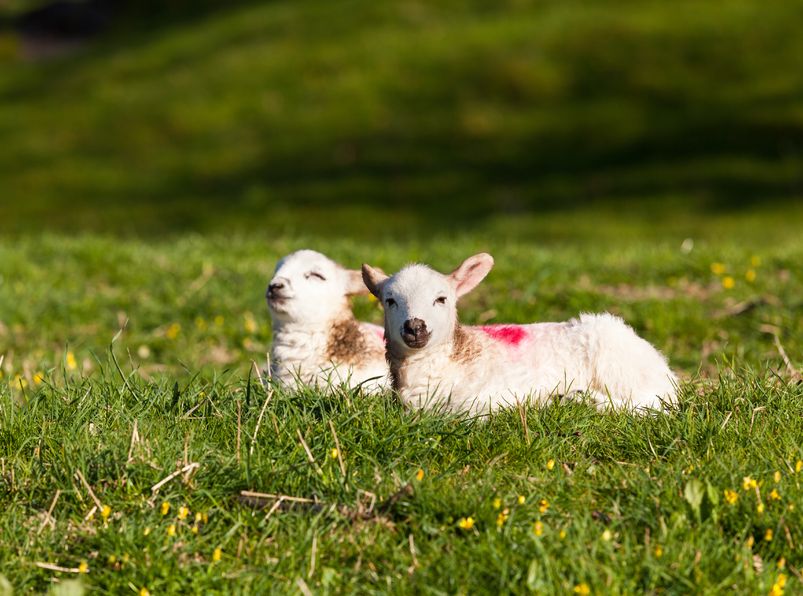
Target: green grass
x: 318, y: 116
x: 621, y: 487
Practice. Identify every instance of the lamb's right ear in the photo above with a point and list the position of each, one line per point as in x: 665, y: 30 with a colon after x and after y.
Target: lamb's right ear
x: 373, y: 279
x: 470, y: 273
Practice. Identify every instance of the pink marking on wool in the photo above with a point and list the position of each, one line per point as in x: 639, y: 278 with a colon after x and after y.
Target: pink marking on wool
x: 511, y: 335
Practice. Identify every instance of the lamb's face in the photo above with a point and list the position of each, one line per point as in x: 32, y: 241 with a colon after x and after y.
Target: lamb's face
x: 308, y: 287
x: 421, y: 304
x: 419, y: 308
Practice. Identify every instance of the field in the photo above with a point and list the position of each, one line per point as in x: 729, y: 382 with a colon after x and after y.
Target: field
x: 128, y: 360
x: 638, y: 157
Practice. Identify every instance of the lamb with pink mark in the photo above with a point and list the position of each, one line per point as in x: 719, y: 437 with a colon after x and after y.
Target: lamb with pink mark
x: 437, y: 362
x: 316, y: 339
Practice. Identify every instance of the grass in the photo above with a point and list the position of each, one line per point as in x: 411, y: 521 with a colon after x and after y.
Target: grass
x: 632, y: 504
x: 314, y: 117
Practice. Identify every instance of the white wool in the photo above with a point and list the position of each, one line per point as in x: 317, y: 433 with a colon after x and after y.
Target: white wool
x: 486, y: 367
x: 309, y: 307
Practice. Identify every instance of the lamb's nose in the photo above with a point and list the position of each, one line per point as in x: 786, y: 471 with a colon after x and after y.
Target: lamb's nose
x: 274, y: 287
x: 415, y: 327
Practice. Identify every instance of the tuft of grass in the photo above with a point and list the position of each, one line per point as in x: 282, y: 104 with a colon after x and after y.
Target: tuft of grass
x: 629, y: 504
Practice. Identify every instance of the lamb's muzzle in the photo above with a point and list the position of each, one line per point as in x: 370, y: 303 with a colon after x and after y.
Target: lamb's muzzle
x: 414, y: 333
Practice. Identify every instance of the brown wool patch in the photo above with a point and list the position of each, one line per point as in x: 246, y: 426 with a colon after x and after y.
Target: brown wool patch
x: 395, y: 365
x: 347, y: 343
x: 465, y: 346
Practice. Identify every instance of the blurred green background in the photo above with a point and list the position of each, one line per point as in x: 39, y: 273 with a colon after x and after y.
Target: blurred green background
x: 554, y: 119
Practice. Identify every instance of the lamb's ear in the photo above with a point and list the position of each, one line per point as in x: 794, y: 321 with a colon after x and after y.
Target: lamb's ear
x: 373, y: 279
x: 354, y: 283
x: 470, y: 273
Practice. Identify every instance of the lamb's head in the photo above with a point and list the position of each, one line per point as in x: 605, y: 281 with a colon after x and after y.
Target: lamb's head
x: 308, y: 287
x: 421, y: 304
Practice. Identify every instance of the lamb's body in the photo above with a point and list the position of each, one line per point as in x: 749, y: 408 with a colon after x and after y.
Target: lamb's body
x: 487, y: 367
x: 435, y: 361
x: 316, y: 339
x: 350, y: 352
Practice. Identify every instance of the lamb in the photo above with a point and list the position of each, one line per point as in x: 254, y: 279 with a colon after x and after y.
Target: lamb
x: 316, y: 339
x: 436, y: 361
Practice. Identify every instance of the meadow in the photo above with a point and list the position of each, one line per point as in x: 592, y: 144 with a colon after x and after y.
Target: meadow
x: 126, y: 361
x: 637, y: 157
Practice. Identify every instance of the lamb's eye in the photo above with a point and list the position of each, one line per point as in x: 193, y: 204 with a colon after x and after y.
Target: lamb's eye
x: 390, y: 302
x: 440, y: 300
x: 316, y: 275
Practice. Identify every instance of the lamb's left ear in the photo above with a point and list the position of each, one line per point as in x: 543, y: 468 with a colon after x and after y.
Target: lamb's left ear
x: 470, y: 273
x: 354, y: 283
x: 373, y: 278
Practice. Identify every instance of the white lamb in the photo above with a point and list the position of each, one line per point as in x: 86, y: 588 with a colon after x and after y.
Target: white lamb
x: 436, y: 361
x: 316, y: 339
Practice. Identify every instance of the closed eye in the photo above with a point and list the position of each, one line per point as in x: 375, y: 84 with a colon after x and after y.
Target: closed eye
x: 390, y: 302
x: 316, y: 275
x: 440, y: 300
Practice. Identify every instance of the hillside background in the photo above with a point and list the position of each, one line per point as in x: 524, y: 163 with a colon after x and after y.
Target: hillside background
x: 358, y: 118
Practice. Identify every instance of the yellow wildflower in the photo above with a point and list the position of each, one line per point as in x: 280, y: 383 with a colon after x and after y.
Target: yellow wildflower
x: 173, y: 330
x: 760, y: 508
x: 659, y: 551
x: 171, y: 530
x: 465, y: 523
x: 582, y: 589
x: 333, y: 453
x: 249, y: 323
x: 146, y: 531
x: 717, y: 268
x: 606, y: 535
x: 70, y: 361
x: 728, y: 282
x: 768, y: 535
x: 748, y: 483
x: 731, y: 496
x: 419, y: 475
x: 217, y: 554
x: 219, y: 320
x: 205, y: 517
x: 550, y: 464
x: 781, y: 563
x: 777, y: 476
x: 543, y: 505
x: 111, y: 559
x: 105, y: 512
x: 165, y: 508
x: 562, y: 534
x: 538, y: 528
x: 502, y: 517
x: 198, y: 517
x: 522, y: 499
x: 39, y: 378
x: 798, y: 466
x: 775, y: 495
x: 497, y: 503
x: 20, y: 382
x: 144, y: 592
x: 194, y: 529
x: 83, y: 567
x: 750, y: 275
x: 750, y: 542
x: 183, y: 512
